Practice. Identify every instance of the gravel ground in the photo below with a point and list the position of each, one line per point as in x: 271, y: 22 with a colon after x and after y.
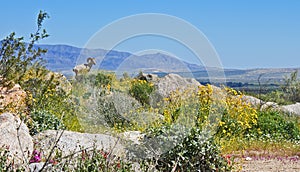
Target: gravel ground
x: 286, y: 164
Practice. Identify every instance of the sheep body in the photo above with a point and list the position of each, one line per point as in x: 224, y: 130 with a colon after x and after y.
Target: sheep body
x: 84, y: 68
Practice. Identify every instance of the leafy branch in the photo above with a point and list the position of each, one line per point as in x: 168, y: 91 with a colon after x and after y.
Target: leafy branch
x: 17, y: 57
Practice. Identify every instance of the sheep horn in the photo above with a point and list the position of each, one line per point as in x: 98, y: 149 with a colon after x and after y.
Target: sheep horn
x: 91, y: 59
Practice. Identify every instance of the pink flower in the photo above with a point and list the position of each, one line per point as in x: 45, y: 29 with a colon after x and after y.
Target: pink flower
x: 36, y: 157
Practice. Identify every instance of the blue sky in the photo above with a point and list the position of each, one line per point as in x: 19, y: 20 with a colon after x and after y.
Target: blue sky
x: 245, y: 33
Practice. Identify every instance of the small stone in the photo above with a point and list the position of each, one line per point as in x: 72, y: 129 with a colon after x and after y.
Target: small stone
x: 36, y: 167
x: 248, y: 158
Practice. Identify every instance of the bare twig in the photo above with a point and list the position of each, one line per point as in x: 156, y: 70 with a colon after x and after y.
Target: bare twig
x: 51, y: 152
x: 175, y: 166
x: 260, y: 90
x: 20, y: 145
x: 112, y: 149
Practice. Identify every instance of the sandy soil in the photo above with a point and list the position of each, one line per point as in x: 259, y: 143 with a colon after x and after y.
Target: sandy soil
x: 286, y: 164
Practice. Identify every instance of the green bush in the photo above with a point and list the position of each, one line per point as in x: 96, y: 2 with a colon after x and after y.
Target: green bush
x: 276, y: 96
x: 43, y: 120
x: 289, y: 92
x: 195, y: 153
x: 99, y: 79
x: 102, y: 79
x: 141, y: 90
x: 276, y: 125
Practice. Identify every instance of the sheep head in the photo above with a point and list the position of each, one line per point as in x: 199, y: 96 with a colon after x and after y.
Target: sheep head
x: 91, y: 60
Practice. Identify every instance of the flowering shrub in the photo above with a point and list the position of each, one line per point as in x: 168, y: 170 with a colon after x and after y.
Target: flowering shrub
x: 217, y: 109
x: 141, y: 90
x: 238, y: 116
x: 173, y: 106
x: 99, y: 160
x: 45, y: 94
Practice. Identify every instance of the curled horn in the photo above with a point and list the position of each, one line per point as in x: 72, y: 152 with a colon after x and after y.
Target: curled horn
x: 91, y: 60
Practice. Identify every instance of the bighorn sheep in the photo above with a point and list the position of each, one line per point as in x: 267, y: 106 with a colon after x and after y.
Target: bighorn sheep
x: 84, y: 68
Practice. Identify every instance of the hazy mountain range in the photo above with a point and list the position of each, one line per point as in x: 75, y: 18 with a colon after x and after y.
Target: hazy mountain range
x: 63, y: 58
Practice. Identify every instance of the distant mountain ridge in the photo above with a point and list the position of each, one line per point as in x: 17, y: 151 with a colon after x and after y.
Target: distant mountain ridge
x: 63, y: 58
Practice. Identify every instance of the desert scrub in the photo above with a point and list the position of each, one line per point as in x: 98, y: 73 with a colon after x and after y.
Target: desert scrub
x: 97, y: 79
x: 93, y: 83
x: 225, y: 111
x: 141, y: 90
x: 275, y: 125
x: 288, y: 93
x: 219, y: 110
x: 46, y: 94
x: 238, y: 117
x: 195, y: 153
x: 101, y: 79
x: 43, y: 120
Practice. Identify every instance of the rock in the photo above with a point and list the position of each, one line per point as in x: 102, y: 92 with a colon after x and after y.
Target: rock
x: 64, y: 84
x: 36, y: 167
x: 134, y: 136
x: 258, y: 103
x: 9, y: 136
x: 12, y: 99
x: 269, y: 105
x: 255, y: 102
x: 292, y: 109
x: 71, y: 142
x: 248, y: 158
x: 172, y: 82
x: 147, y: 77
